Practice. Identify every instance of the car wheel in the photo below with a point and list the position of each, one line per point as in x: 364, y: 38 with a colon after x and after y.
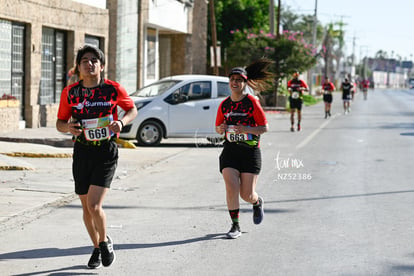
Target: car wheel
x: 149, y: 134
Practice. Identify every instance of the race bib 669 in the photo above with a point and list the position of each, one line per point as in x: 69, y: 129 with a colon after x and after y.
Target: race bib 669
x: 97, y: 129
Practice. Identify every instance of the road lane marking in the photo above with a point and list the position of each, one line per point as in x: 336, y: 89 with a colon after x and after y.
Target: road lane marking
x: 316, y: 131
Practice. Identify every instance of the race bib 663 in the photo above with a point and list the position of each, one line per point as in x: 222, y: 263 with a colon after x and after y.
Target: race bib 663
x: 232, y: 136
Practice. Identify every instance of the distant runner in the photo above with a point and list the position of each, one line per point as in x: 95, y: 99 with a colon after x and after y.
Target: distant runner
x: 365, y: 86
x: 296, y: 88
x: 346, y: 95
x: 327, y: 88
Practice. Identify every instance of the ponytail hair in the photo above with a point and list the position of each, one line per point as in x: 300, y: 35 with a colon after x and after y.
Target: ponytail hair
x: 256, y: 74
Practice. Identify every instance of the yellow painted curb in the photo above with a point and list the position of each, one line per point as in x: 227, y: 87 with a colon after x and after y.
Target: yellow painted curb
x: 125, y: 144
x: 37, y: 155
x: 15, y: 168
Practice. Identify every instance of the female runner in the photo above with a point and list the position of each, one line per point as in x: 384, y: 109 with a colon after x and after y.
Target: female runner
x: 242, y: 120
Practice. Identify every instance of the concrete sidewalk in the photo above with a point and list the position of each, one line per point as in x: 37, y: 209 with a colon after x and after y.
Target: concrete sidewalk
x: 36, y: 172
x: 40, y: 142
x: 27, y: 181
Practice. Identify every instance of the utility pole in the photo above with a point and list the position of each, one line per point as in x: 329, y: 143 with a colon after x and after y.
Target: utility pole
x: 272, y: 16
x: 315, y: 25
x: 353, y: 54
x: 277, y: 64
x: 213, y: 36
x: 279, y: 7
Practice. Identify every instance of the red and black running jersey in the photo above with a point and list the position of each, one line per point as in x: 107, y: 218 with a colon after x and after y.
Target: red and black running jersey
x: 296, y: 84
x: 365, y: 83
x: 88, y: 103
x: 328, y: 86
x: 247, y: 112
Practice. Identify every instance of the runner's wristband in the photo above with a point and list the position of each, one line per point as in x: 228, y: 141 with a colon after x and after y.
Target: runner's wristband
x: 122, y: 123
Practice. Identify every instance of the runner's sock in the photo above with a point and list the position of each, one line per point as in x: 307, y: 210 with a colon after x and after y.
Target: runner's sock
x: 234, y: 214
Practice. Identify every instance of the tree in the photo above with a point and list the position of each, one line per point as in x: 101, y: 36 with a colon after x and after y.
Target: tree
x: 301, y: 23
x: 232, y: 15
x: 381, y: 54
x: 240, y: 14
x: 332, y: 46
x: 290, y: 52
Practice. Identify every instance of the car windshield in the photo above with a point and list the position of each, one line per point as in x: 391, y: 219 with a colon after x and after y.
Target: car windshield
x: 155, y: 89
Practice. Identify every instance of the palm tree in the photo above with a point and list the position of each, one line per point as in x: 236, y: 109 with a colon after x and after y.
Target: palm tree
x: 333, y: 44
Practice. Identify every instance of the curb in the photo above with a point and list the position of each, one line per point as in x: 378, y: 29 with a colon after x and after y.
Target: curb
x: 55, y: 142
x: 38, y: 155
x: 15, y: 168
x: 30, y: 214
x: 125, y: 143
x: 8, y: 163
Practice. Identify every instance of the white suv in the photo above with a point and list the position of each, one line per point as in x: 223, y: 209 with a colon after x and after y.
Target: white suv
x: 182, y: 106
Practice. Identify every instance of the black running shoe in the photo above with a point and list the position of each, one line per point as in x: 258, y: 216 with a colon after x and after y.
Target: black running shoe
x: 258, y: 211
x: 107, y: 252
x: 95, y: 261
x: 234, y: 232
x: 292, y: 129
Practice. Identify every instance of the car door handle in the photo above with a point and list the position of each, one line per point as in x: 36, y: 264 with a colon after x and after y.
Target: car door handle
x: 206, y: 107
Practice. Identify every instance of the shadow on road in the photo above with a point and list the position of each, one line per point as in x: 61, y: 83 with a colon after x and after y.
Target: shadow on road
x: 65, y: 271
x: 402, y: 270
x: 219, y: 208
x: 41, y: 253
x: 340, y: 196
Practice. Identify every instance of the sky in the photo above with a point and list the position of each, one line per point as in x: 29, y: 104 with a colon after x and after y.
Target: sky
x: 375, y: 24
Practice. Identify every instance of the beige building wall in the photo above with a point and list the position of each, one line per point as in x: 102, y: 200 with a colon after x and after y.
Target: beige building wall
x: 76, y: 19
x: 185, y: 52
x: 180, y: 50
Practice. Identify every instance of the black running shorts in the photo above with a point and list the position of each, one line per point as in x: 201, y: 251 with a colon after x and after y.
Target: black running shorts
x: 295, y: 103
x: 327, y: 98
x: 241, y: 157
x: 94, y: 165
x: 346, y: 96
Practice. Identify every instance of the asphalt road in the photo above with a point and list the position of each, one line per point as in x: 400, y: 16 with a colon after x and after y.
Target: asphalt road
x: 338, y: 201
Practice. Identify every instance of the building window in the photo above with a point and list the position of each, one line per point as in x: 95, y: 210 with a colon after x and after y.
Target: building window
x: 93, y: 40
x: 12, y: 62
x: 53, y: 70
